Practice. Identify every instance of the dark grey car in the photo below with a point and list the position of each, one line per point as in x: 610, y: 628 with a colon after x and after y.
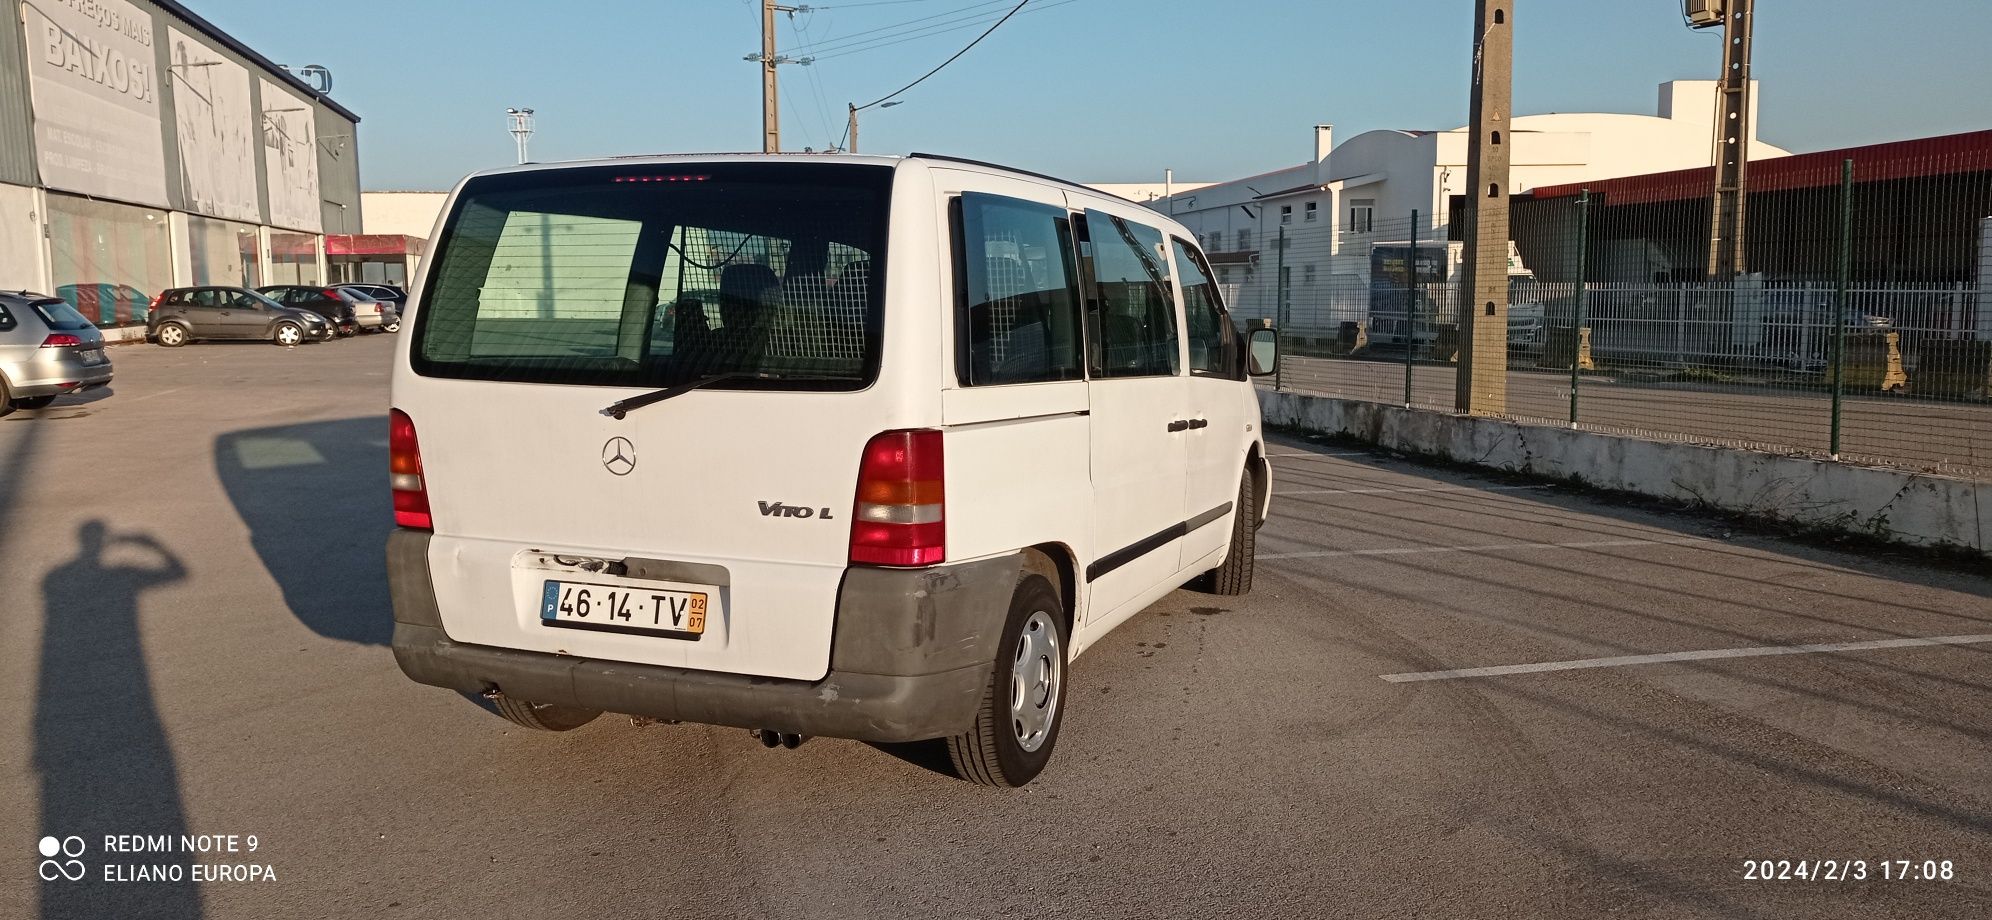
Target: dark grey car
x: 47, y: 349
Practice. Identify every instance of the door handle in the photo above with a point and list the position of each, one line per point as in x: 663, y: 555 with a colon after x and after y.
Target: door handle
x: 1199, y: 423
x: 1180, y: 424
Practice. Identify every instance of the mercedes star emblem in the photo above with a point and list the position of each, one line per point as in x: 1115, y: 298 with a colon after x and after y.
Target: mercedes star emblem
x: 619, y: 456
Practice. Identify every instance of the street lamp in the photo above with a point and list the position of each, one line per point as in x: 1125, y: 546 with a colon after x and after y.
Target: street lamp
x: 521, y: 121
x: 852, y: 128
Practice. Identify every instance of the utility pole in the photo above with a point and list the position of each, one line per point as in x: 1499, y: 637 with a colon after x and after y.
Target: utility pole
x: 521, y: 122
x: 771, y: 122
x: 1729, y: 207
x: 853, y: 128
x: 1482, y: 387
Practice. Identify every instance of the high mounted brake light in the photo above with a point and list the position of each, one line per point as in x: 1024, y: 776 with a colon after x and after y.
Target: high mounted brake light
x: 901, y: 513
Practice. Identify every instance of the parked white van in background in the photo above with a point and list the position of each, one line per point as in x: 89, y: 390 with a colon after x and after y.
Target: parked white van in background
x: 865, y: 447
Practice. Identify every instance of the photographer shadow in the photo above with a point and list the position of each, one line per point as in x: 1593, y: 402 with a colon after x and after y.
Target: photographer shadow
x: 101, y: 755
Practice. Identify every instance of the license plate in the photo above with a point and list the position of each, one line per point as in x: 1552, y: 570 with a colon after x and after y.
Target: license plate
x: 92, y: 356
x: 624, y: 609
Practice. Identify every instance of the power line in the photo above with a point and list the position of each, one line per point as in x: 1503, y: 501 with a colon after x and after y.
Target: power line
x: 815, y: 83
x: 846, y: 6
x: 886, y: 41
x: 937, y: 69
x: 838, y: 41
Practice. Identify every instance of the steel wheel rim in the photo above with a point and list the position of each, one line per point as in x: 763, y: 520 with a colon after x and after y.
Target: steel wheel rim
x: 1035, y: 677
x: 288, y: 335
x: 170, y: 335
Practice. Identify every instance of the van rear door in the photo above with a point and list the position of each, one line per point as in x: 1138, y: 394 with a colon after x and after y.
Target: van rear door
x: 754, y: 289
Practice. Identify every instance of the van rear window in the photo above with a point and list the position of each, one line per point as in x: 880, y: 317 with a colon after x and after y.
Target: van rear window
x: 650, y: 275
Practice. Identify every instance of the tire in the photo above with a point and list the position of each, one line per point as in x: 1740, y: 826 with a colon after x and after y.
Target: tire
x: 1234, y: 577
x: 1022, y: 708
x: 6, y: 402
x: 288, y: 335
x: 545, y: 717
x: 172, y: 335
x: 33, y: 402
x: 392, y: 327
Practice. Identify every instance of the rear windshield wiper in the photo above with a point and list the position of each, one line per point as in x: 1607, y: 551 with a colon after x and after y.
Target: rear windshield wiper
x: 621, y: 407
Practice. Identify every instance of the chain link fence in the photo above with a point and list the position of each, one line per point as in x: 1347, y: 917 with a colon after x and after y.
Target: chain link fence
x: 1860, y: 328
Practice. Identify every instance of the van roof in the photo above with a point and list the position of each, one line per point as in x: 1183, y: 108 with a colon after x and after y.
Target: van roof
x: 851, y: 158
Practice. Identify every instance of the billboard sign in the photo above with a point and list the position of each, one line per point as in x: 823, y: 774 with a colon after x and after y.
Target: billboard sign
x: 214, y: 123
x: 96, y: 99
x: 290, y: 159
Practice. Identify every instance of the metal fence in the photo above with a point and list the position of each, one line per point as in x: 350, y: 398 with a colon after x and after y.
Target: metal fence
x: 1862, y: 328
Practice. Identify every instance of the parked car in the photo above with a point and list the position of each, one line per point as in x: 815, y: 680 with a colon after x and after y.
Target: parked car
x: 841, y: 511
x: 338, y: 307
x: 378, y: 314
x: 182, y: 315
x: 385, y: 293
x: 47, y: 349
x: 107, y: 302
x: 1389, y: 325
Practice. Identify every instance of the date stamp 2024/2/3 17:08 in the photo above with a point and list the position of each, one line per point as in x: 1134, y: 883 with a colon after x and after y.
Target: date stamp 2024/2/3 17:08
x: 1849, y: 870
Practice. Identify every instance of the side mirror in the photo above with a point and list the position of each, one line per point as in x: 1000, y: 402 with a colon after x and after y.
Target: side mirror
x: 1262, y: 349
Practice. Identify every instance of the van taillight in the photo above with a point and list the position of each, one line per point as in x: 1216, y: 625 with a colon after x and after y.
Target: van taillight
x: 900, y: 518
x: 404, y: 465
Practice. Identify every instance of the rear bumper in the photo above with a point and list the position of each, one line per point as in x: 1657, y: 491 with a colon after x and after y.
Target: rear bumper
x: 911, y: 656
x: 54, y: 378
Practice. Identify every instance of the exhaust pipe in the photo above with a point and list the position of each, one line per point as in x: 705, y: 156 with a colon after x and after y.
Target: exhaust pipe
x: 771, y: 739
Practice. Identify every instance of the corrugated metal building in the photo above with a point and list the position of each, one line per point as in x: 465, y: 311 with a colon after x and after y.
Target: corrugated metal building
x: 143, y: 148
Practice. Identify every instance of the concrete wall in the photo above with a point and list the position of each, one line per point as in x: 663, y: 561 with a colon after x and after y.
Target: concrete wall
x: 407, y: 213
x: 1913, y: 508
x: 17, y: 146
x: 339, y: 201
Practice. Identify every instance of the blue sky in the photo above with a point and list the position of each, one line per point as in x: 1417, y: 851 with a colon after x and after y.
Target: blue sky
x: 1095, y: 90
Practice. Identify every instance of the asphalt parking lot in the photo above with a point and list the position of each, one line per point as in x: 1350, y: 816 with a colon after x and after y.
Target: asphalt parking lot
x: 194, y: 643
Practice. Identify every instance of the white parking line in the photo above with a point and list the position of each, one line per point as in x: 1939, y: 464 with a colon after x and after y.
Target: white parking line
x: 1478, y: 548
x: 1624, y: 660
x: 1413, y: 489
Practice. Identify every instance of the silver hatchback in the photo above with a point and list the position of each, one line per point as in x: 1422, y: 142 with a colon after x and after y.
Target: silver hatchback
x: 47, y: 349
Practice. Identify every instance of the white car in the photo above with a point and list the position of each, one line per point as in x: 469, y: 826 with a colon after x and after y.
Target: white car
x: 863, y: 447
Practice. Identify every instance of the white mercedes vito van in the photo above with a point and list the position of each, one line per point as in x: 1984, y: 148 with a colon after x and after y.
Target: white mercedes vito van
x: 854, y: 446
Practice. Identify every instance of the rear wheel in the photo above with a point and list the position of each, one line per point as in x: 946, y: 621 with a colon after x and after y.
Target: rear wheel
x: 288, y: 334
x: 392, y: 327
x: 33, y: 402
x: 1024, y: 704
x: 172, y: 335
x: 545, y: 717
x: 1234, y: 577
x: 6, y: 401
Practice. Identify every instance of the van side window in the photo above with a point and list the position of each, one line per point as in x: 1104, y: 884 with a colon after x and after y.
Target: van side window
x: 1206, y: 327
x: 1131, y: 317
x: 6, y: 319
x: 1016, y: 299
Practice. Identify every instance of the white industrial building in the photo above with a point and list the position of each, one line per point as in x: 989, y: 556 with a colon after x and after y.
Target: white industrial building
x: 1346, y: 198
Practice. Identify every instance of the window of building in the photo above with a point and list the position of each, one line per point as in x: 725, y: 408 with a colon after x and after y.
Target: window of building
x: 1017, y: 301
x: 224, y: 252
x: 1206, y: 327
x: 1362, y: 215
x: 1312, y: 209
x: 1307, y: 275
x: 1244, y: 239
x: 1132, y: 315
x: 109, y: 259
x: 293, y: 258
x: 1286, y: 214
x: 1224, y: 276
